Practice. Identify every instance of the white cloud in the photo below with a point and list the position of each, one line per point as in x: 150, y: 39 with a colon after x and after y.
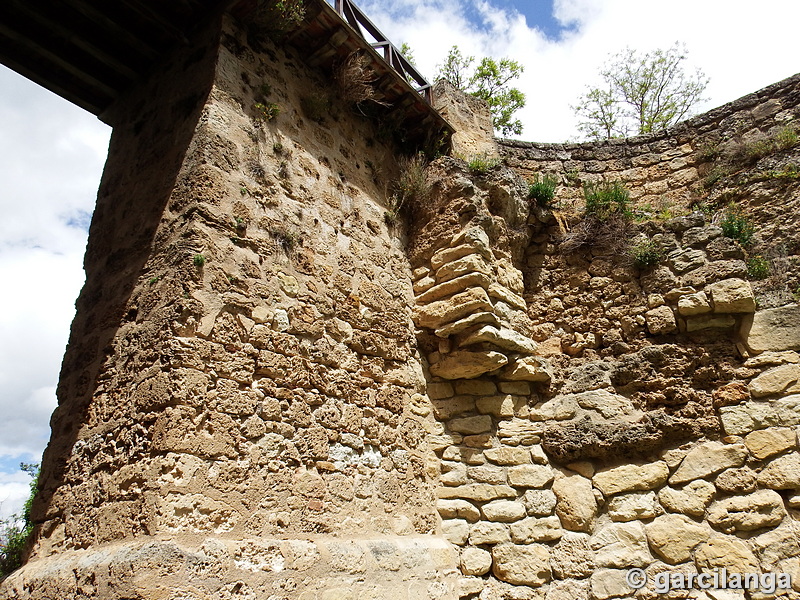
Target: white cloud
x: 14, y: 491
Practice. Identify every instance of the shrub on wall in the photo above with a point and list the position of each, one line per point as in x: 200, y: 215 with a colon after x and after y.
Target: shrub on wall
x: 737, y: 226
x: 606, y: 199
x: 543, y: 190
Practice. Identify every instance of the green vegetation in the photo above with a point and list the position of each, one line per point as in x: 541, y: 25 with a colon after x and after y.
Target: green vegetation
x: 17, y: 529
x: 275, y: 18
x: 316, y: 106
x: 543, y: 190
x: 647, y: 254
x: 199, y: 261
x: 266, y: 111
x: 489, y: 80
x: 154, y: 280
x: 737, y: 226
x: 606, y: 199
x: 411, y: 187
x: 758, y: 267
x: 640, y: 94
x: 481, y: 164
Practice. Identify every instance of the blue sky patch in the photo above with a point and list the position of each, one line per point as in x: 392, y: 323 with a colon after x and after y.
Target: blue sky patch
x: 80, y: 220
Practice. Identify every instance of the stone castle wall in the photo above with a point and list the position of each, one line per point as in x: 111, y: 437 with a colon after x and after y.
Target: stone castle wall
x: 273, y: 389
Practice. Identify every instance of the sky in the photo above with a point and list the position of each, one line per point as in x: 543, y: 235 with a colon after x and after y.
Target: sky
x: 52, y: 153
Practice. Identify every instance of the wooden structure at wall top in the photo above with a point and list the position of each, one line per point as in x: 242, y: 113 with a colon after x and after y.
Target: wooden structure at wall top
x: 91, y: 51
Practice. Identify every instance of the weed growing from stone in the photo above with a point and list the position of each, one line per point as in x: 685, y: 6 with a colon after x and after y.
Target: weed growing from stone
x: 316, y: 106
x: 758, y: 267
x: 543, y: 190
x: 482, y: 164
x: 199, y: 261
x: 606, y: 199
x: 737, y: 226
x: 647, y: 254
x: 266, y: 111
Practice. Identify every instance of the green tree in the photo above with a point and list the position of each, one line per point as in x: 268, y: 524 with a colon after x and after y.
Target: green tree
x: 15, y: 531
x: 488, y: 80
x: 640, y: 94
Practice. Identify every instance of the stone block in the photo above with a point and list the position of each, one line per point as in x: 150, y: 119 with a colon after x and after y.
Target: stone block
x: 621, y: 545
x: 539, y: 502
x: 458, y: 509
x: 471, y: 425
x: 724, y: 551
x: 502, y: 337
x: 499, y: 406
x: 758, y: 510
x: 631, y: 477
x: 609, y: 583
x: 692, y: 499
x: 488, y: 533
x: 534, y: 476
x: 455, y: 531
x: 610, y: 406
x: 732, y: 296
x: 438, y: 313
x: 462, y: 364
x: 784, y: 379
x: 773, y: 329
x: 531, y: 530
x: 530, y: 368
x: 475, y: 562
x: 522, y: 565
x: 782, y: 473
x: 576, y: 505
x: 503, y: 511
x: 709, y: 458
x: 742, y: 419
x: 673, y: 537
x: 632, y: 507
x: 694, y: 304
x: 478, y: 492
x: 660, y: 320
x: 768, y: 442
x: 716, y: 321
x: 508, y: 456
x: 572, y: 556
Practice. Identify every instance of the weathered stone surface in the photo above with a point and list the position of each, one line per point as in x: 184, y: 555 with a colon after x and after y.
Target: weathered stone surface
x: 742, y: 419
x: 768, y: 442
x: 454, y: 286
x: 783, y: 379
x: 621, y: 545
x: 760, y: 509
x: 694, y: 304
x: 471, y: 425
x: 522, y: 565
x: 631, y: 477
x: 660, y: 320
x: 463, y: 324
x: 732, y: 296
x: 716, y: 321
x: 502, y: 337
x: 610, y: 406
x: 499, y: 406
x: 436, y: 314
x: 530, y: 368
x: 455, y: 531
x: 458, y: 509
x: 673, y: 537
x: 775, y: 545
x: 787, y: 410
x: 686, y: 259
x: 609, y: 583
x: 479, y: 492
x: 474, y: 263
x: 736, y: 481
x: 519, y: 432
x: 709, y: 458
x: 484, y: 532
x: 462, y: 364
x: 539, y: 502
x: 631, y: 507
x: 535, y: 476
x: 773, y: 329
x: 572, y: 556
x: 508, y: 456
x: 782, y: 473
x: 475, y: 561
x: 532, y: 530
x: 723, y: 551
x: 576, y: 505
x: 692, y: 499
x: 503, y: 511
x: 559, y: 408
x: 568, y: 590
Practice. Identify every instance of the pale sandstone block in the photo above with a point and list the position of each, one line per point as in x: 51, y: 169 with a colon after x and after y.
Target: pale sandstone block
x: 632, y: 477
x: 503, y: 511
x: 522, y: 565
x: 709, y: 458
x: 768, y: 442
x: 673, y: 537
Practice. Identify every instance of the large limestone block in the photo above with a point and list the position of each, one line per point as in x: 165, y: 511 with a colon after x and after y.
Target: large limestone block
x: 478, y: 492
x: 475, y: 562
x: 518, y: 432
x: 522, y: 565
x: 760, y: 509
x: 773, y: 329
x: 783, y: 473
x: 572, y: 556
x: 488, y: 533
x: 474, y: 263
x: 534, y: 476
x: 508, y: 456
x: 530, y: 530
x: 471, y: 425
x: 725, y: 551
x: 454, y: 286
x: 610, y: 583
x: 458, y: 509
x: 692, y: 499
x: 576, y: 505
x: 732, y: 296
x: 632, y: 507
x: 660, y: 320
x: 455, y: 531
x: 783, y: 379
x: 742, y: 419
x: 707, y: 459
x: 502, y: 337
x: 437, y: 313
x: 768, y: 442
x: 466, y: 365
x: 503, y: 511
x: 775, y: 545
x: 694, y: 304
x: 621, y: 545
x: 530, y: 368
x: 673, y: 537
x: 629, y: 478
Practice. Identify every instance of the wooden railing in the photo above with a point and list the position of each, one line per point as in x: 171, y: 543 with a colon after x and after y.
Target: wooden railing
x: 357, y: 19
